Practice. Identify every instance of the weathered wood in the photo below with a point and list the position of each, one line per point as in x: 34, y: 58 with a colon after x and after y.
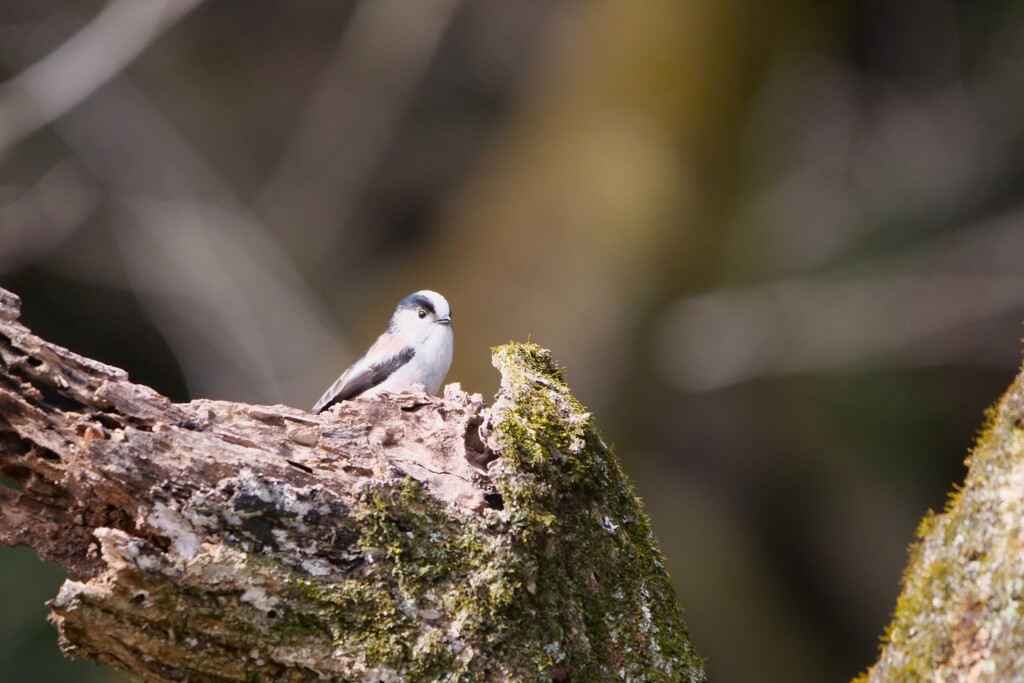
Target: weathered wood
x: 402, y: 538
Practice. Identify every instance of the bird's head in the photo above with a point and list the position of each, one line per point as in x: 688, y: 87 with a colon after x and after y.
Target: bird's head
x: 421, y: 315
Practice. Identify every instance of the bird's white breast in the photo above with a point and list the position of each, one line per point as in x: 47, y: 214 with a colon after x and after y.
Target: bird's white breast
x: 428, y: 366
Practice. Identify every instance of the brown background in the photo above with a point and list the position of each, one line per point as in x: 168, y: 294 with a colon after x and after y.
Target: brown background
x: 778, y: 246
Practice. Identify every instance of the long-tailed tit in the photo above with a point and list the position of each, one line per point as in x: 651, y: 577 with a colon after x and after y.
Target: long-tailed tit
x: 416, y: 348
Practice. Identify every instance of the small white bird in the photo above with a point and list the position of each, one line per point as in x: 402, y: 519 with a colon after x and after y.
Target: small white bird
x: 416, y: 348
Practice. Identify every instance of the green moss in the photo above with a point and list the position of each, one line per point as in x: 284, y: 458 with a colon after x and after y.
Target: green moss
x: 570, y: 507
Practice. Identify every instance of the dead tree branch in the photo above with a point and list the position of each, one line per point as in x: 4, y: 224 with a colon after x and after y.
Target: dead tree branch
x: 408, y: 538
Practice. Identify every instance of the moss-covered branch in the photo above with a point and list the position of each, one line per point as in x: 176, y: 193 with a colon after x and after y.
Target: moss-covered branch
x: 406, y: 538
x: 960, y: 616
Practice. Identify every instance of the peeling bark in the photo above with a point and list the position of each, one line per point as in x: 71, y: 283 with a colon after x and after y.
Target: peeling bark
x: 405, y: 538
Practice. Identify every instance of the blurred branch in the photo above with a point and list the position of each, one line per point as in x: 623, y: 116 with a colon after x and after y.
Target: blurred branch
x: 100, y: 50
x: 841, y: 319
x: 351, y: 118
x: 42, y: 216
x: 225, y: 296
x: 400, y: 538
x: 245, y: 324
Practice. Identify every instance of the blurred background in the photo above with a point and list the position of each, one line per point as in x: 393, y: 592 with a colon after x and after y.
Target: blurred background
x: 779, y: 248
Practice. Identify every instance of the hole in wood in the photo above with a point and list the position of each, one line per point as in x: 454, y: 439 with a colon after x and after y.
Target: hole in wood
x: 47, y: 454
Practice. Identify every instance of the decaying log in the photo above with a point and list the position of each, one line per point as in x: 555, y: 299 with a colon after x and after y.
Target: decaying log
x: 960, y: 614
x: 405, y: 538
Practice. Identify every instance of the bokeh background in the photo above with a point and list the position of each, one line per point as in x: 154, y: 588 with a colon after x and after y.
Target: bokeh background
x: 779, y: 248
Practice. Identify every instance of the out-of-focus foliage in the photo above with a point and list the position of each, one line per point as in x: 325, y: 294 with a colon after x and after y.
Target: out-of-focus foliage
x: 779, y: 247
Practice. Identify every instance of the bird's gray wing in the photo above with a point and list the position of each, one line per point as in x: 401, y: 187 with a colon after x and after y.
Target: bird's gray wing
x: 359, y: 378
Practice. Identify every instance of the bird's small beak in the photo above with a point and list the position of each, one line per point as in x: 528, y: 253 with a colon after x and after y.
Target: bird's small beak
x: 447, y: 320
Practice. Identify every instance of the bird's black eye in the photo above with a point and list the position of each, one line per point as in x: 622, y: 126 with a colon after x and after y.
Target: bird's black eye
x: 422, y: 313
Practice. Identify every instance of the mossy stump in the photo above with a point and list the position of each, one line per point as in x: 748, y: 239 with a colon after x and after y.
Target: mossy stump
x: 404, y: 538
